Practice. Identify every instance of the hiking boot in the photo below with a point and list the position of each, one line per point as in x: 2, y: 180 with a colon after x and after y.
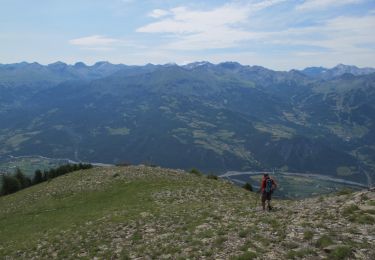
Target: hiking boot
x: 269, y: 208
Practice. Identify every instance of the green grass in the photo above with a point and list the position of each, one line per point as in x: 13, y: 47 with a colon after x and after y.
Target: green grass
x: 324, y: 241
x: 58, y: 213
x: 308, y: 235
x: 301, y: 253
x: 85, y: 209
x: 63, y: 210
x: 275, y: 224
x: 136, y: 236
x: 220, y: 240
x: 245, y: 247
x: 369, y: 211
x: 349, y: 210
x: 263, y: 240
x: 244, y: 233
x: 363, y: 219
x: 340, y: 253
x: 246, y: 256
x: 354, y: 214
x: 290, y: 245
x: 344, y: 191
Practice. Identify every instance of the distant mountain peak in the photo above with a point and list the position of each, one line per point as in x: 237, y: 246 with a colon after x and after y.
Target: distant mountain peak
x: 57, y: 63
x: 170, y: 64
x: 230, y: 65
x: 337, y: 71
x: 80, y: 64
x: 342, y: 65
x: 194, y: 65
x: 102, y: 63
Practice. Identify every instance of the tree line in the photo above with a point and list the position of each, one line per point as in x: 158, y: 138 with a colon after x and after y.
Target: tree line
x: 14, y: 182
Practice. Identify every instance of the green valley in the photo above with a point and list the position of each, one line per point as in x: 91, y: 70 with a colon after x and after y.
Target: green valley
x: 215, y: 117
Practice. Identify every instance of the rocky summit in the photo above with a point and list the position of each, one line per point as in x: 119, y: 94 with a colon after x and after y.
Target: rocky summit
x: 140, y: 212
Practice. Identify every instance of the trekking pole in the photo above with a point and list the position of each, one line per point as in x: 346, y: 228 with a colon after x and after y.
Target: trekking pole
x: 256, y: 200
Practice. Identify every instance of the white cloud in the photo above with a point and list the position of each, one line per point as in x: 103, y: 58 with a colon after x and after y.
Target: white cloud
x: 248, y: 32
x: 216, y: 39
x: 93, y: 41
x: 344, y: 39
x: 98, y: 48
x: 323, y: 4
x: 340, y: 34
x: 185, y: 21
x: 157, y: 13
x: 220, y: 27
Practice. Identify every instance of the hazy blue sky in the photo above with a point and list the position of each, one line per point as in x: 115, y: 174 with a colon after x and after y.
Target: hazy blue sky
x: 277, y: 34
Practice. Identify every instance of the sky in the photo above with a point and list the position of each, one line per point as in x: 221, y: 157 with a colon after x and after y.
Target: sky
x: 277, y: 34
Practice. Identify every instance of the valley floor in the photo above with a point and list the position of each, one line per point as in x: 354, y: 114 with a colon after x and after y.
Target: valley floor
x: 142, y: 212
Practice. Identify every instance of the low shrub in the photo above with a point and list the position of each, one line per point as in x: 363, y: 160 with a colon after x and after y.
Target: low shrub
x: 243, y: 233
x: 247, y: 186
x: 212, y: 177
x: 10, y: 185
x: 344, y: 191
x: 196, y: 172
x: 18, y: 181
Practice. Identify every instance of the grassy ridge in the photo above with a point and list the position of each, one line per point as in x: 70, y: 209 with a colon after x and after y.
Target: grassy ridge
x: 67, y: 203
x: 130, y: 212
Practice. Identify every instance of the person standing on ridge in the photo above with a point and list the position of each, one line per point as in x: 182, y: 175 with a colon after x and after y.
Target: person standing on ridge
x: 268, y: 185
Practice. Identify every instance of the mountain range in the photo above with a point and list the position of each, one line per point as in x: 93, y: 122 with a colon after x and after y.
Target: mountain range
x: 215, y: 117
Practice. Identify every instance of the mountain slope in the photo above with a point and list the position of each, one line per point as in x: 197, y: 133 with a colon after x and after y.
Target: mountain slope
x: 24, y: 73
x: 130, y: 212
x: 213, y: 117
x: 339, y: 70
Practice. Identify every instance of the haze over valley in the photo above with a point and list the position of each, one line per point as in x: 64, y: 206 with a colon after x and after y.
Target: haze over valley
x: 216, y: 117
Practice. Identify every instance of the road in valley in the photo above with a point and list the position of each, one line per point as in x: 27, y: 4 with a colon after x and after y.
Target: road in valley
x: 231, y: 174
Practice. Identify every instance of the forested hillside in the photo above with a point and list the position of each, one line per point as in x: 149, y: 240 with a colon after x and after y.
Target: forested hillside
x: 213, y: 117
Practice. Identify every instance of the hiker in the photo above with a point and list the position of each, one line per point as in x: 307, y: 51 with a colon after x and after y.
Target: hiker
x: 267, y: 187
